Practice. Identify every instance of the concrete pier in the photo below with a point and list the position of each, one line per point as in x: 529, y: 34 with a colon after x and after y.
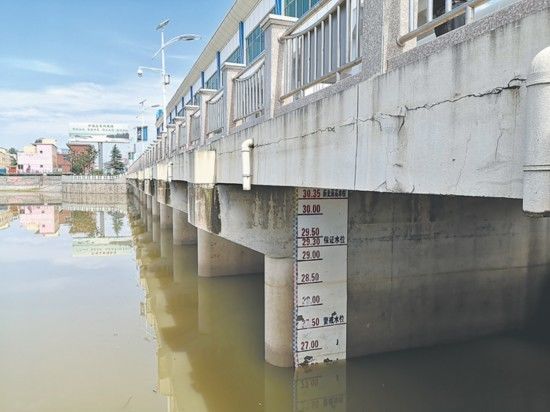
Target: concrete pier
x: 184, y: 232
x: 220, y: 257
x: 155, y: 206
x: 279, y: 303
x: 165, y: 216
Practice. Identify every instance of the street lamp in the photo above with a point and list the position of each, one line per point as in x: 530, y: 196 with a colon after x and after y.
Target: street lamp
x: 142, y: 109
x: 165, y: 79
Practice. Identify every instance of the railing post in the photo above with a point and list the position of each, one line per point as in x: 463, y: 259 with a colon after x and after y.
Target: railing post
x: 274, y: 27
x: 229, y: 72
x: 171, y: 129
x: 180, y: 140
x: 383, y: 21
x: 189, y: 111
x: 205, y: 94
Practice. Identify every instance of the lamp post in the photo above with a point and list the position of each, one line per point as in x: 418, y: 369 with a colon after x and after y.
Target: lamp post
x: 165, y: 78
x: 142, y: 109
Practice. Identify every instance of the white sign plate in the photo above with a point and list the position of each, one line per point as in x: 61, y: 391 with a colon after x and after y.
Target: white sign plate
x: 320, y: 281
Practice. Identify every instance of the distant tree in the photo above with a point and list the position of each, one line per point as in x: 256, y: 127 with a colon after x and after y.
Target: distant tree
x: 117, y: 221
x: 116, y: 160
x: 13, y: 152
x: 83, y: 222
x: 81, y: 162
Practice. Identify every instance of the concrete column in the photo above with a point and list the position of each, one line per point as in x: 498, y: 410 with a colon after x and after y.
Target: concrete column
x: 165, y: 216
x: 155, y: 206
x: 536, y: 169
x: 184, y: 232
x: 279, y: 307
x: 274, y: 27
x: 229, y: 72
x: 185, y: 266
x: 155, y: 228
x: 149, y: 202
x: 383, y: 22
x: 220, y: 257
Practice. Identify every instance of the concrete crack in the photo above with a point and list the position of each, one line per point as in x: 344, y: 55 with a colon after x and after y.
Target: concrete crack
x: 498, y: 143
x: 464, y: 162
x: 513, y: 84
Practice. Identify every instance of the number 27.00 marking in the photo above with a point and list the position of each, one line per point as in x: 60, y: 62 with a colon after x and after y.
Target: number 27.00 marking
x: 309, y: 345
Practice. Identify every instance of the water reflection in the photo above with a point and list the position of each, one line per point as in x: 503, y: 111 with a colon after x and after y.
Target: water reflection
x: 210, y: 352
x: 71, y: 338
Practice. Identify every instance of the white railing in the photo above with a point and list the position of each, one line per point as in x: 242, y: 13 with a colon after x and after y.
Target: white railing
x: 426, y: 18
x: 196, y: 127
x: 249, y: 91
x: 323, y: 46
x: 173, y: 143
x: 182, y: 134
x: 92, y: 178
x: 215, y: 110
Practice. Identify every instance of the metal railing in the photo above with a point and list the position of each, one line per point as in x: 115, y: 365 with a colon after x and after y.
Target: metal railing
x: 196, y: 127
x: 173, y: 143
x: 249, y: 91
x: 435, y: 19
x: 182, y: 134
x: 215, y: 114
x: 325, y: 50
x: 91, y: 178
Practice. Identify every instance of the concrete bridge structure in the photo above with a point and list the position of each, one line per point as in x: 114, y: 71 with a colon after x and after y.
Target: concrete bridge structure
x: 384, y: 164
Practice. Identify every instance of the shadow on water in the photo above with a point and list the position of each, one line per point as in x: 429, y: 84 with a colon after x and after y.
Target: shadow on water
x: 210, y: 352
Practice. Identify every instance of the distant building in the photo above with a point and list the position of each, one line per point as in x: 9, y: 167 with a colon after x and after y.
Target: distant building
x: 40, y: 219
x: 63, y: 163
x: 39, y: 157
x: 5, y: 158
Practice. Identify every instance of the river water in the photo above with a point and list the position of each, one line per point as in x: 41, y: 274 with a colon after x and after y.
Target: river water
x: 100, y: 312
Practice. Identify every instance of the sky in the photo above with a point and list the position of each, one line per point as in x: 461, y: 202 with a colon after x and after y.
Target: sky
x: 64, y: 61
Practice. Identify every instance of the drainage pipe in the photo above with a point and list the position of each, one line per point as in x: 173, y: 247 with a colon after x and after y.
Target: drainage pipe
x: 536, y: 170
x: 246, y: 148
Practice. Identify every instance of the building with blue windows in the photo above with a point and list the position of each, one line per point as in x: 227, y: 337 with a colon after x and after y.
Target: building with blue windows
x: 240, y: 40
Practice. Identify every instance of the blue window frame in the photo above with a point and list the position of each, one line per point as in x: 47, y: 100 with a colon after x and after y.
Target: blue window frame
x: 297, y: 8
x: 235, y: 57
x: 255, y: 44
x: 213, y: 81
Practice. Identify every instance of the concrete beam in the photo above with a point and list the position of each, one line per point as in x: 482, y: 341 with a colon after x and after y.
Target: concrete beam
x: 220, y: 257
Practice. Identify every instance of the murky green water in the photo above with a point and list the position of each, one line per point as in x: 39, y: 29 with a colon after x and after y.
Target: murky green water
x: 99, y: 312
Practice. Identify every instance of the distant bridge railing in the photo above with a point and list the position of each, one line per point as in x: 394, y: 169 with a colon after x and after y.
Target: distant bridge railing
x: 182, y: 134
x: 424, y: 20
x: 92, y: 178
x: 195, y: 127
x: 249, y: 91
x: 323, y: 47
x: 215, y: 109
